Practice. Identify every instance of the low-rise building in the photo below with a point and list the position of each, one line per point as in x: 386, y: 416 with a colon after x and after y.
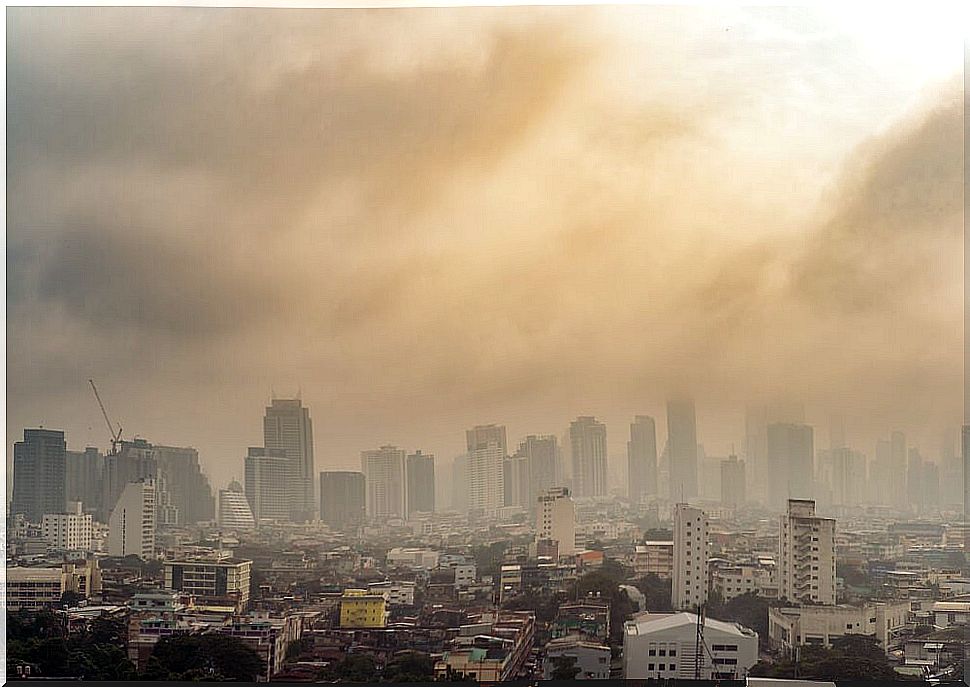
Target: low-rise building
x: 590, y: 659
x: 68, y: 531
x: 819, y: 625
x: 664, y: 646
x: 492, y: 649
x: 37, y: 588
x: 412, y: 558
x: 589, y: 619
x: 217, y: 582
x: 654, y: 558
x: 360, y: 609
x: 399, y: 593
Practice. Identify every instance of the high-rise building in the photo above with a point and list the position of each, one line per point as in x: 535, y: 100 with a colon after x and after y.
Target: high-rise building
x: 483, y: 435
x: 733, y: 482
x: 791, y: 458
x: 587, y: 441
x: 84, y: 471
x: 897, y: 466
x: 342, y: 499
x: 39, y: 477
x: 131, y: 525
x: 806, y: 554
x: 641, y: 452
x: 541, y: 453
x: 689, y: 581
x: 70, y: 530
x: 914, y: 480
x: 187, y: 486
x: 460, y: 491
x: 419, y: 469
x: 756, y: 451
x: 487, y: 449
x: 516, y: 481
x: 134, y: 461
x: 682, y: 447
x: 287, y: 427
x: 556, y: 519
x: 849, y: 477
x: 266, y: 473
x: 384, y: 481
x: 234, y: 511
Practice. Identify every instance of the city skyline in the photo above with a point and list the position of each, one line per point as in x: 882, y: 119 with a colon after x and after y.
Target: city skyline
x: 577, y: 211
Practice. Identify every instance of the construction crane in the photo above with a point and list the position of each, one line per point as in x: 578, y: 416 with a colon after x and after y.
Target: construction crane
x: 115, y: 436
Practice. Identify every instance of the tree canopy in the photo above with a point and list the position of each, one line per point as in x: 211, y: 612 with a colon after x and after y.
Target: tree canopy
x: 204, y: 657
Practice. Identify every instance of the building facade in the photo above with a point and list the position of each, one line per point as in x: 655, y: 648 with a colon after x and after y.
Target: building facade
x: 384, y: 482
x: 343, y: 497
x: 641, y: 451
x: 287, y: 427
x: 682, y: 449
x: 70, y: 530
x: 234, y: 511
x: 588, y: 452
x: 266, y: 473
x: 131, y: 525
x: 556, y: 519
x: 806, y: 554
x: 39, y: 474
x: 689, y: 581
x: 419, y: 469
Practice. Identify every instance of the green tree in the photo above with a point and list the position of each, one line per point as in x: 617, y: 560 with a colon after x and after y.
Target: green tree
x: 564, y: 668
x: 353, y: 668
x: 656, y: 591
x: 206, y: 656
x: 410, y: 666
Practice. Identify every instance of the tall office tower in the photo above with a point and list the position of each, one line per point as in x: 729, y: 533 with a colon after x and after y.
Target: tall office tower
x: 849, y: 477
x: 732, y: 482
x: 556, y: 519
x: 708, y: 475
x: 516, y: 481
x: 914, y: 481
x: 682, y: 446
x: 965, y: 452
x: 134, y: 461
x: 930, y: 479
x: 756, y: 451
x: 383, y: 470
x: 836, y: 432
x: 641, y: 456
x: 486, y: 477
x: 131, y: 525
x: 791, y: 463
x: 287, y: 427
x: 70, y: 530
x: 689, y: 583
x: 233, y: 511
x: 806, y: 554
x: 483, y: 435
x: 420, y: 478
x: 587, y: 442
x: 343, y: 499
x: 460, y: 491
x: 39, y: 477
x: 897, y: 441
x: 83, y: 472
x: 541, y: 453
x: 187, y: 485
x: 266, y: 473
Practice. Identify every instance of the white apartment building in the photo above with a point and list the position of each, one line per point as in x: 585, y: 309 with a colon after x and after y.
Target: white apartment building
x: 131, y: 526
x: 689, y: 581
x: 384, y: 482
x: 753, y: 577
x: 806, y: 554
x: 69, y: 531
x: 556, y: 519
x: 486, y: 478
x: 398, y: 593
x: 664, y: 645
x: 412, y: 558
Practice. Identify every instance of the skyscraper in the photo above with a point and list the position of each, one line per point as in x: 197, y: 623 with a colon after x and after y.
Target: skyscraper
x: 516, y: 478
x: 131, y: 525
x: 384, y: 479
x: 541, y: 453
x: 689, y: 582
x: 84, y: 471
x: 733, y: 482
x: 806, y: 554
x: 641, y: 452
x: 460, y: 490
x: 791, y: 463
x: 483, y: 435
x: 187, y: 485
x: 897, y: 441
x: 849, y: 477
x: 486, y: 477
x: 420, y: 478
x: 39, y: 474
x: 587, y: 440
x: 134, y: 461
x: 233, y: 511
x: 556, y: 519
x: 682, y: 446
x: 756, y: 451
x: 266, y: 473
x: 342, y: 499
x: 287, y: 427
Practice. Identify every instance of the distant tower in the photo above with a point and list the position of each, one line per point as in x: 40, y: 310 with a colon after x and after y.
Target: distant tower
x: 384, y: 479
x: 732, y: 482
x: 131, y: 526
x: 420, y: 478
x: 234, y: 511
x: 587, y: 439
x: 682, y: 446
x: 791, y: 463
x: 39, y: 474
x: 487, y: 449
x: 806, y: 554
x: 342, y: 499
x: 267, y: 488
x: 287, y: 427
x: 641, y: 453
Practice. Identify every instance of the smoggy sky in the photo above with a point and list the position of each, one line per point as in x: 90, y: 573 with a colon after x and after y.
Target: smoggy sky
x: 428, y: 219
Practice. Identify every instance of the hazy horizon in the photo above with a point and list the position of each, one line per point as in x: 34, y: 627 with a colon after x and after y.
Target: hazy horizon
x: 427, y: 219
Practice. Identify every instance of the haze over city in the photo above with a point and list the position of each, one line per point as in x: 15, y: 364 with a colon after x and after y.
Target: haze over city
x: 424, y: 220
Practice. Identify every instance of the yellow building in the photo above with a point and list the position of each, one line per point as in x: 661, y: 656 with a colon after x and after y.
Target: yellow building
x: 361, y: 609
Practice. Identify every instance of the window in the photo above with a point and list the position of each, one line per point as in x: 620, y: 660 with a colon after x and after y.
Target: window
x: 663, y: 652
x: 673, y: 666
x: 649, y: 666
x: 652, y: 652
x: 662, y: 666
x: 673, y: 652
